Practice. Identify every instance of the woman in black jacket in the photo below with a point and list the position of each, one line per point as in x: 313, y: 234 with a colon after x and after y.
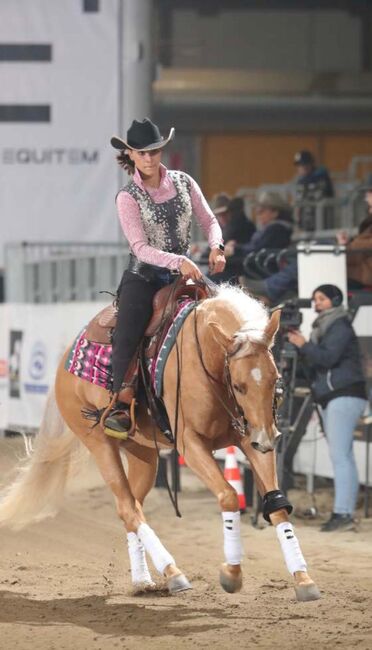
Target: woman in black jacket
x: 339, y: 388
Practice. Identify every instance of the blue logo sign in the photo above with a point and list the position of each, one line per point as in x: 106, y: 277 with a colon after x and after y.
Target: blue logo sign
x: 37, y: 365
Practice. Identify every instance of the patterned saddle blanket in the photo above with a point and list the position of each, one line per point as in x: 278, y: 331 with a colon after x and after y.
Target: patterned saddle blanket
x: 91, y: 360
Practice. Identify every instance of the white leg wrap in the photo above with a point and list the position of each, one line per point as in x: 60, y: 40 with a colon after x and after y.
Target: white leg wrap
x: 293, y: 557
x: 138, y: 565
x: 232, y: 544
x: 158, y: 553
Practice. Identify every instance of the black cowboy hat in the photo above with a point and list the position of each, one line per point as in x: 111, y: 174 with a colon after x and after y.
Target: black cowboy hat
x: 142, y: 136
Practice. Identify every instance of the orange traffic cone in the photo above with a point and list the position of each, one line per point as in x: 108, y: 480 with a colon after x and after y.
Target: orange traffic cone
x: 232, y: 475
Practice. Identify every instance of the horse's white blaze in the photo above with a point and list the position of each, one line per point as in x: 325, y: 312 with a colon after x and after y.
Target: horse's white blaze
x: 256, y: 375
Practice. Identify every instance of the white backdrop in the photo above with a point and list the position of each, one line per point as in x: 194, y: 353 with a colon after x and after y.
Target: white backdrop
x: 32, y: 340
x: 58, y: 179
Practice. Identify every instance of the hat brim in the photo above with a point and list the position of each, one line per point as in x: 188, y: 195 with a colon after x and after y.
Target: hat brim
x: 118, y: 143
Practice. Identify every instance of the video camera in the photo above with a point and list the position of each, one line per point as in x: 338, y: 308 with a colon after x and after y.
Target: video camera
x: 291, y: 316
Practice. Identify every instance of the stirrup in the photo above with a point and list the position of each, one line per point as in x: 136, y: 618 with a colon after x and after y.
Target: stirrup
x: 120, y: 435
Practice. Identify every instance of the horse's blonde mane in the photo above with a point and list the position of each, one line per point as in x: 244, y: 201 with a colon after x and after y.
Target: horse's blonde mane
x: 251, y: 314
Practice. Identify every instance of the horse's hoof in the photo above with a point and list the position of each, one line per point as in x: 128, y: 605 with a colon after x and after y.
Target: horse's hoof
x: 144, y: 584
x: 143, y: 587
x: 230, y: 581
x: 178, y: 583
x: 307, y: 592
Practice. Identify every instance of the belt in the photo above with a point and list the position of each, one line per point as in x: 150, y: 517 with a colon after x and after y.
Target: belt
x: 149, y: 272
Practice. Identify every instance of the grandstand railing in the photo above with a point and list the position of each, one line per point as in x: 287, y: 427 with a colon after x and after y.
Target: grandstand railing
x: 44, y: 272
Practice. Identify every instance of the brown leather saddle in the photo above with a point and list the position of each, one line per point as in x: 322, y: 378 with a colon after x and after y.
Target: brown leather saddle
x: 164, y: 305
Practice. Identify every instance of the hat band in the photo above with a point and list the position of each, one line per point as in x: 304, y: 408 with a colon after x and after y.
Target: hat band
x: 140, y: 145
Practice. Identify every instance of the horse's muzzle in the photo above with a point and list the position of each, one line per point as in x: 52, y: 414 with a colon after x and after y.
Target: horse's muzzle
x: 262, y: 442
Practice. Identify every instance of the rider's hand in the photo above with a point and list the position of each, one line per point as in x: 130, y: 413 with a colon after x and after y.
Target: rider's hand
x: 217, y: 261
x: 190, y: 269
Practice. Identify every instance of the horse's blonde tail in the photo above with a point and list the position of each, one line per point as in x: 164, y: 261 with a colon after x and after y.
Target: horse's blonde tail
x: 38, y: 489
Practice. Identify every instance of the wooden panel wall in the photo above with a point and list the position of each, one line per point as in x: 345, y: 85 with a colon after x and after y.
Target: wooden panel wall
x: 230, y: 162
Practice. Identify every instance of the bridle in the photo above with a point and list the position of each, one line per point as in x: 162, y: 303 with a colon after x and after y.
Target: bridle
x: 236, y: 415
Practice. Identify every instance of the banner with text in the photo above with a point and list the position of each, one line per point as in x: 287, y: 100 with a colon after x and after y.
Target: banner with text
x: 58, y: 110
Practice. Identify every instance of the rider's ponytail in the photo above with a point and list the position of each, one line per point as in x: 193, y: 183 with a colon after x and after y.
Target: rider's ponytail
x: 125, y: 162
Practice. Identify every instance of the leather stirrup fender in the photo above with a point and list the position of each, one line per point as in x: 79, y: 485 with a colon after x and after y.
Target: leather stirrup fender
x: 272, y: 502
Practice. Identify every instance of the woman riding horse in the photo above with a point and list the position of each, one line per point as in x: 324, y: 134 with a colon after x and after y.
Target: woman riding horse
x: 218, y: 389
x: 218, y: 386
x: 155, y: 211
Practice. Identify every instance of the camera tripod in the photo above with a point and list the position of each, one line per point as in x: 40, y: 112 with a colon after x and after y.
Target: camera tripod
x: 294, y: 414
x: 293, y: 417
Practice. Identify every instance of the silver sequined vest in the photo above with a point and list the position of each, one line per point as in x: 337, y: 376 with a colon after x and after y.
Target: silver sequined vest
x: 167, y: 225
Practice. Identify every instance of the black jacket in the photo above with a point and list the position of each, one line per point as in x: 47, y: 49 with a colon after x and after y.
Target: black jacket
x: 277, y: 234
x: 239, y: 229
x: 335, y: 361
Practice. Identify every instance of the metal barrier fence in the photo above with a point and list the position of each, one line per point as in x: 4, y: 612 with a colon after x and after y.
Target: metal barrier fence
x: 45, y: 272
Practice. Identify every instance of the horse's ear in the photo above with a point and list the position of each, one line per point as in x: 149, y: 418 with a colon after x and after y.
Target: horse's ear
x: 220, y: 336
x: 272, y: 327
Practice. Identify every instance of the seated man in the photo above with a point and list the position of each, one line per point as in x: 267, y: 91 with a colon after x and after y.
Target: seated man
x: 274, y: 216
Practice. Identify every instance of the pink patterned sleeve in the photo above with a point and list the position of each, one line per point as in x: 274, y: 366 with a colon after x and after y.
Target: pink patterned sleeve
x: 204, y: 215
x: 130, y: 221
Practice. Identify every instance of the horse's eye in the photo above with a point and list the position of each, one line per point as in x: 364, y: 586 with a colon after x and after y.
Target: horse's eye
x: 240, y: 388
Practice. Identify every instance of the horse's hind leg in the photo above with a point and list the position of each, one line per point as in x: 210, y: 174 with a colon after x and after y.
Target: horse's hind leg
x: 142, y: 466
x: 107, y: 456
x: 264, y: 469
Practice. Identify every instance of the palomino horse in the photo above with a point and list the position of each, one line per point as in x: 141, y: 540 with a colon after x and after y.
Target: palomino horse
x: 223, y: 353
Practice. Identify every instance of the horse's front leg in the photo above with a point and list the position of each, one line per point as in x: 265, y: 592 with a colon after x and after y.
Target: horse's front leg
x: 275, y: 503
x: 198, y: 456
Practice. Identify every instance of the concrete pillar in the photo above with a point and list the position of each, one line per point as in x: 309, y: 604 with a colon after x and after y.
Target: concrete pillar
x: 137, y: 65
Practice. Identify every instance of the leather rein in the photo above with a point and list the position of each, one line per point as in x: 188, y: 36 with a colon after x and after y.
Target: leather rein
x: 236, y: 415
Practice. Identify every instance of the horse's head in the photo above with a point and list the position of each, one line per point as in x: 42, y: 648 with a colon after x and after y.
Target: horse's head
x: 253, y: 378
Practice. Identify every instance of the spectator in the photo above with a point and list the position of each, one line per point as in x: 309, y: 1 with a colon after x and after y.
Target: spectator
x: 274, y: 216
x: 220, y: 208
x: 238, y: 230
x: 359, y: 265
x: 313, y: 184
x: 339, y: 388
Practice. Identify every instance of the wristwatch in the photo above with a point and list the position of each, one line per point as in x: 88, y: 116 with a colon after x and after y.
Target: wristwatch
x: 221, y: 247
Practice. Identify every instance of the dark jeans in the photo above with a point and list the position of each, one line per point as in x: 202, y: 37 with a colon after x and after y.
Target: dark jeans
x: 134, y: 312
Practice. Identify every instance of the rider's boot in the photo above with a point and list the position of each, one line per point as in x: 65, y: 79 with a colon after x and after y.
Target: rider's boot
x: 118, y: 418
